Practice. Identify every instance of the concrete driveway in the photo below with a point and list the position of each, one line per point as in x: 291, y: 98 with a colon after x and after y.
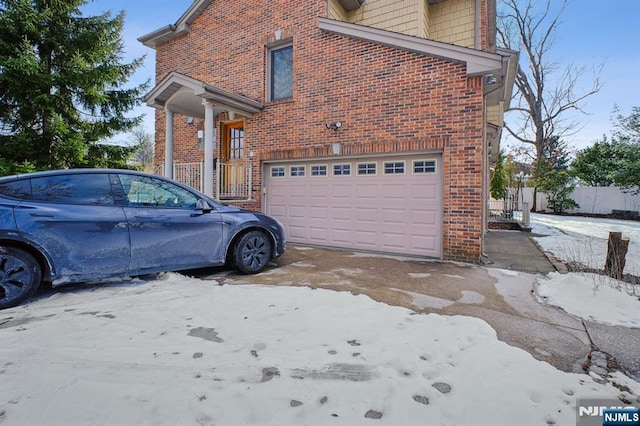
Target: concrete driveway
x: 498, y: 294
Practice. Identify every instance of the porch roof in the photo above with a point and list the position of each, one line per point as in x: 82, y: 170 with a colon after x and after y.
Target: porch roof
x: 184, y: 95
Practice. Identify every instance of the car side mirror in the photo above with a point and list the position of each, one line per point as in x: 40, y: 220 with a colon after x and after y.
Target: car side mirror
x: 203, y: 206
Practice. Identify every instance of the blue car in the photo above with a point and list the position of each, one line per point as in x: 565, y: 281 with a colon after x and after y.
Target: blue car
x: 71, y: 226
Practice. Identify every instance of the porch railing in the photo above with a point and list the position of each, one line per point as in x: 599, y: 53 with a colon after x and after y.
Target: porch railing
x: 510, y: 209
x: 233, y: 181
x: 230, y: 181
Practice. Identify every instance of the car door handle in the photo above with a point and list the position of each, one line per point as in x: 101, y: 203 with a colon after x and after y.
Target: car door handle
x: 40, y: 215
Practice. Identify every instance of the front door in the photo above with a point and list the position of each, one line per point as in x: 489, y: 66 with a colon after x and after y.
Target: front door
x: 233, y: 166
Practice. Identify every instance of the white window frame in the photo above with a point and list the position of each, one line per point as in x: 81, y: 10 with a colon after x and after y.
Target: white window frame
x: 297, y: 166
x: 326, y: 170
x: 333, y: 169
x: 367, y: 163
x: 395, y: 163
x: 435, y: 167
x: 284, y: 172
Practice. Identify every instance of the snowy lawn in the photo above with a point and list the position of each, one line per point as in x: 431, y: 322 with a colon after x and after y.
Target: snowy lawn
x: 589, y: 296
x: 584, y: 239
x: 185, y: 351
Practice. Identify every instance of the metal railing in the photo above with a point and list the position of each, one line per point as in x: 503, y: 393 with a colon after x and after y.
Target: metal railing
x: 510, y: 209
x: 190, y: 174
x: 234, y: 181
x: 230, y: 181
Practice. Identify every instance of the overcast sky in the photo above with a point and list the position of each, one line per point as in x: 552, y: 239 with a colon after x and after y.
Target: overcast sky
x: 591, y: 32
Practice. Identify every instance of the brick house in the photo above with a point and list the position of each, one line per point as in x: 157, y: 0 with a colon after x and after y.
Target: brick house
x: 358, y: 124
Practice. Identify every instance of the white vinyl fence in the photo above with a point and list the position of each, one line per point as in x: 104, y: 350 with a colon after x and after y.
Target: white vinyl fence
x: 592, y: 200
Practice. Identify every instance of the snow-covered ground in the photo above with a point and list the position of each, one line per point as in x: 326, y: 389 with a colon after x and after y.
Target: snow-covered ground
x: 179, y: 350
x: 589, y: 296
x: 584, y: 239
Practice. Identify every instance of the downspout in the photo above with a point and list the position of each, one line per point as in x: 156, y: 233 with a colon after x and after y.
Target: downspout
x: 476, y: 27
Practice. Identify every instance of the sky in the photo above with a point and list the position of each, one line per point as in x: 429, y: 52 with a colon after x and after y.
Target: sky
x: 170, y: 350
x: 592, y: 32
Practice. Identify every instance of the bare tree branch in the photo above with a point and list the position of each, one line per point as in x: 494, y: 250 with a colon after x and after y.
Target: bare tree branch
x: 538, y: 111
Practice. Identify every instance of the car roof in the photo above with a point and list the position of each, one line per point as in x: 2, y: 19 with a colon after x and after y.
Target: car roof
x: 69, y: 172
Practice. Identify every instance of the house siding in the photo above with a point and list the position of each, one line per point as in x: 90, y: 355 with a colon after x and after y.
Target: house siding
x: 387, y: 99
x: 452, y: 21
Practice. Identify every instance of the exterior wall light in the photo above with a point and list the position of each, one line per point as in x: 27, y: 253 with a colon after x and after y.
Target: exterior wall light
x: 334, y: 126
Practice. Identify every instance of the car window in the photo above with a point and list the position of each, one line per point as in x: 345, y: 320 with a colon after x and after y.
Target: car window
x: 20, y: 189
x: 83, y: 188
x: 150, y: 192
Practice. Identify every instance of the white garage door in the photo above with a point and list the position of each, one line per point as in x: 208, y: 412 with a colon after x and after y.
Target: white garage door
x: 390, y: 204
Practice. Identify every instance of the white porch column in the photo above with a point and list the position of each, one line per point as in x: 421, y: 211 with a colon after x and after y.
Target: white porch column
x: 209, y: 147
x: 168, y: 147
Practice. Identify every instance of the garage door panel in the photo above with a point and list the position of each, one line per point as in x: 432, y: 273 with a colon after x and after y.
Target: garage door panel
x: 387, y: 213
x: 423, y: 243
x: 317, y: 212
x: 318, y: 235
x: 366, y: 191
x: 424, y: 217
x: 319, y: 191
x: 297, y: 232
x: 342, y: 236
x: 368, y: 240
x: 367, y: 214
x: 297, y: 211
x: 395, y: 192
x: 340, y: 214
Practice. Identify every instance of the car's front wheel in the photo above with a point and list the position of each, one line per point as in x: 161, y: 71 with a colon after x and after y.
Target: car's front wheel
x: 20, y: 276
x: 252, y: 252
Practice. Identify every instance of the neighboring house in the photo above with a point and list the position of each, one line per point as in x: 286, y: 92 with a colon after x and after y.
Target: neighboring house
x: 365, y: 125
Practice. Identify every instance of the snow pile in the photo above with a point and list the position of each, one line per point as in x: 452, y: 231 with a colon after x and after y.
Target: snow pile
x: 187, y: 351
x: 584, y: 240
x: 591, y: 297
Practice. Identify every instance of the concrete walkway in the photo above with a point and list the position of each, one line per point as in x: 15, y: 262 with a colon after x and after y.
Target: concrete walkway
x: 515, y: 250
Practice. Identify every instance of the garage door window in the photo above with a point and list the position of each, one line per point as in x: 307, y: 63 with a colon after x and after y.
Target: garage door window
x: 394, y: 168
x: 341, y: 169
x: 297, y: 171
x: 367, y: 169
x: 277, y: 172
x: 424, y: 166
x: 319, y: 170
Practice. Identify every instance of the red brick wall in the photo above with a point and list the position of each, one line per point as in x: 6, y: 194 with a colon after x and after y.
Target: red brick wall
x: 384, y: 98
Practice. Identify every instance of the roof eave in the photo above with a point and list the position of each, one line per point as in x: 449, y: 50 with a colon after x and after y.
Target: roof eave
x: 182, y: 26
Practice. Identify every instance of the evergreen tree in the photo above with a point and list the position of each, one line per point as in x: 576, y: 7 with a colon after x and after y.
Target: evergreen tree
x: 61, y: 83
x: 498, y: 184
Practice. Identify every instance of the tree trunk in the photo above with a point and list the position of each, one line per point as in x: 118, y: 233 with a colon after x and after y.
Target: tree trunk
x: 617, y: 248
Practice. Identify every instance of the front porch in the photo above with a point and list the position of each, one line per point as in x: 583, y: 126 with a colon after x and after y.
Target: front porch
x: 225, y: 172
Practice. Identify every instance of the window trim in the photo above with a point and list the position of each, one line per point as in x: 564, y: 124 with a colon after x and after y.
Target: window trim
x: 435, y: 166
x: 333, y: 169
x: 404, y: 168
x: 326, y: 170
x: 284, y: 172
x: 366, y: 163
x: 270, y: 48
x: 304, y: 171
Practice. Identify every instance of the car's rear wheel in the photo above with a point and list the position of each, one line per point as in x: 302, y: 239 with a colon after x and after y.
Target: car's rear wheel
x: 20, y: 276
x: 252, y: 252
